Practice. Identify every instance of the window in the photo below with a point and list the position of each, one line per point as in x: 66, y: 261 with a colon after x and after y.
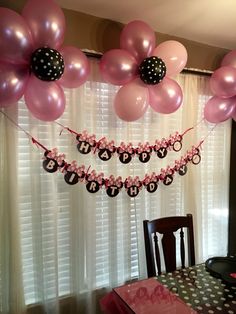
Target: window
x: 74, y: 242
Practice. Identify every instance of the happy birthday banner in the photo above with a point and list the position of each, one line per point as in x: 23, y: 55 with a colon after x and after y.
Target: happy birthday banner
x: 105, y: 149
x: 73, y: 173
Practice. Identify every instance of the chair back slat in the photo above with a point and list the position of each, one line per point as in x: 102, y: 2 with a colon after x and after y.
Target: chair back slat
x: 157, y: 253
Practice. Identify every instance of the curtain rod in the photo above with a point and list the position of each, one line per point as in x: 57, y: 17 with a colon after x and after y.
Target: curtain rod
x: 197, y: 71
x: 98, y: 55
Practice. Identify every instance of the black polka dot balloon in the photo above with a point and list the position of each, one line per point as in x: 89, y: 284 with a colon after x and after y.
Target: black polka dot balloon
x: 47, y: 64
x: 152, y: 70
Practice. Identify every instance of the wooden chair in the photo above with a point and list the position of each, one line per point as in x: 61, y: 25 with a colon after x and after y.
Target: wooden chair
x: 167, y: 226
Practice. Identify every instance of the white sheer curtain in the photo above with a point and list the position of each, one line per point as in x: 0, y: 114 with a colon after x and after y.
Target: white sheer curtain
x: 11, y: 287
x: 62, y: 248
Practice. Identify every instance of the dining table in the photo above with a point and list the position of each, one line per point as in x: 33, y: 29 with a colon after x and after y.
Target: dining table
x: 184, y: 291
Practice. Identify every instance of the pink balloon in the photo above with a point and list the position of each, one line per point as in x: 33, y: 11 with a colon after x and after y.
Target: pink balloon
x: 219, y: 109
x: 45, y: 100
x: 229, y: 59
x: 131, y: 101
x: 223, y: 82
x: 118, y: 67
x: 15, y: 38
x: 174, y: 54
x: 139, y: 39
x: 46, y: 21
x: 13, y: 80
x: 76, y: 69
x: 165, y: 97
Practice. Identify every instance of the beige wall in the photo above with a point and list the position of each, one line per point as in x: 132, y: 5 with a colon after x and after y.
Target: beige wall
x: 90, y: 32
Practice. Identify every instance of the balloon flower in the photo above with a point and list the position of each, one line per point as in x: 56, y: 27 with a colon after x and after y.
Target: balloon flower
x: 33, y: 61
x: 222, y: 105
x: 144, y: 72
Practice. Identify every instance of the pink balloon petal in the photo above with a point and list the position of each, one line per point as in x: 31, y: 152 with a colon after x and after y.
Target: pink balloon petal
x: 165, y: 97
x: 131, y: 101
x: 219, y: 109
x: 174, y: 54
x: 77, y: 67
x: 223, y: 82
x: 46, y: 21
x: 139, y: 39
x: 45, y: 100
x: 16, y: 43
x: 118, y: 67
x: 13, y: 81
x: 229, y: 59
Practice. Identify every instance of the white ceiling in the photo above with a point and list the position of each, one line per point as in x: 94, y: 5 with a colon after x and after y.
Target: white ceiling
x: 211, y: 22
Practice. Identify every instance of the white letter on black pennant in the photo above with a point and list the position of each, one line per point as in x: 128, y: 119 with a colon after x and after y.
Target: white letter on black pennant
x: 162, y: 152
x: 144, y: 156
x: 71, y: 177
x: 168, y: 179
x: 183, y: 170
x: 104, y: 154
x: 125, y: 158
x: 112, y: 190
x: 92, y: 186
x: 133, y: 191
x: 152, y: 187
x: 84, y: 147
x: 50, y: 165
